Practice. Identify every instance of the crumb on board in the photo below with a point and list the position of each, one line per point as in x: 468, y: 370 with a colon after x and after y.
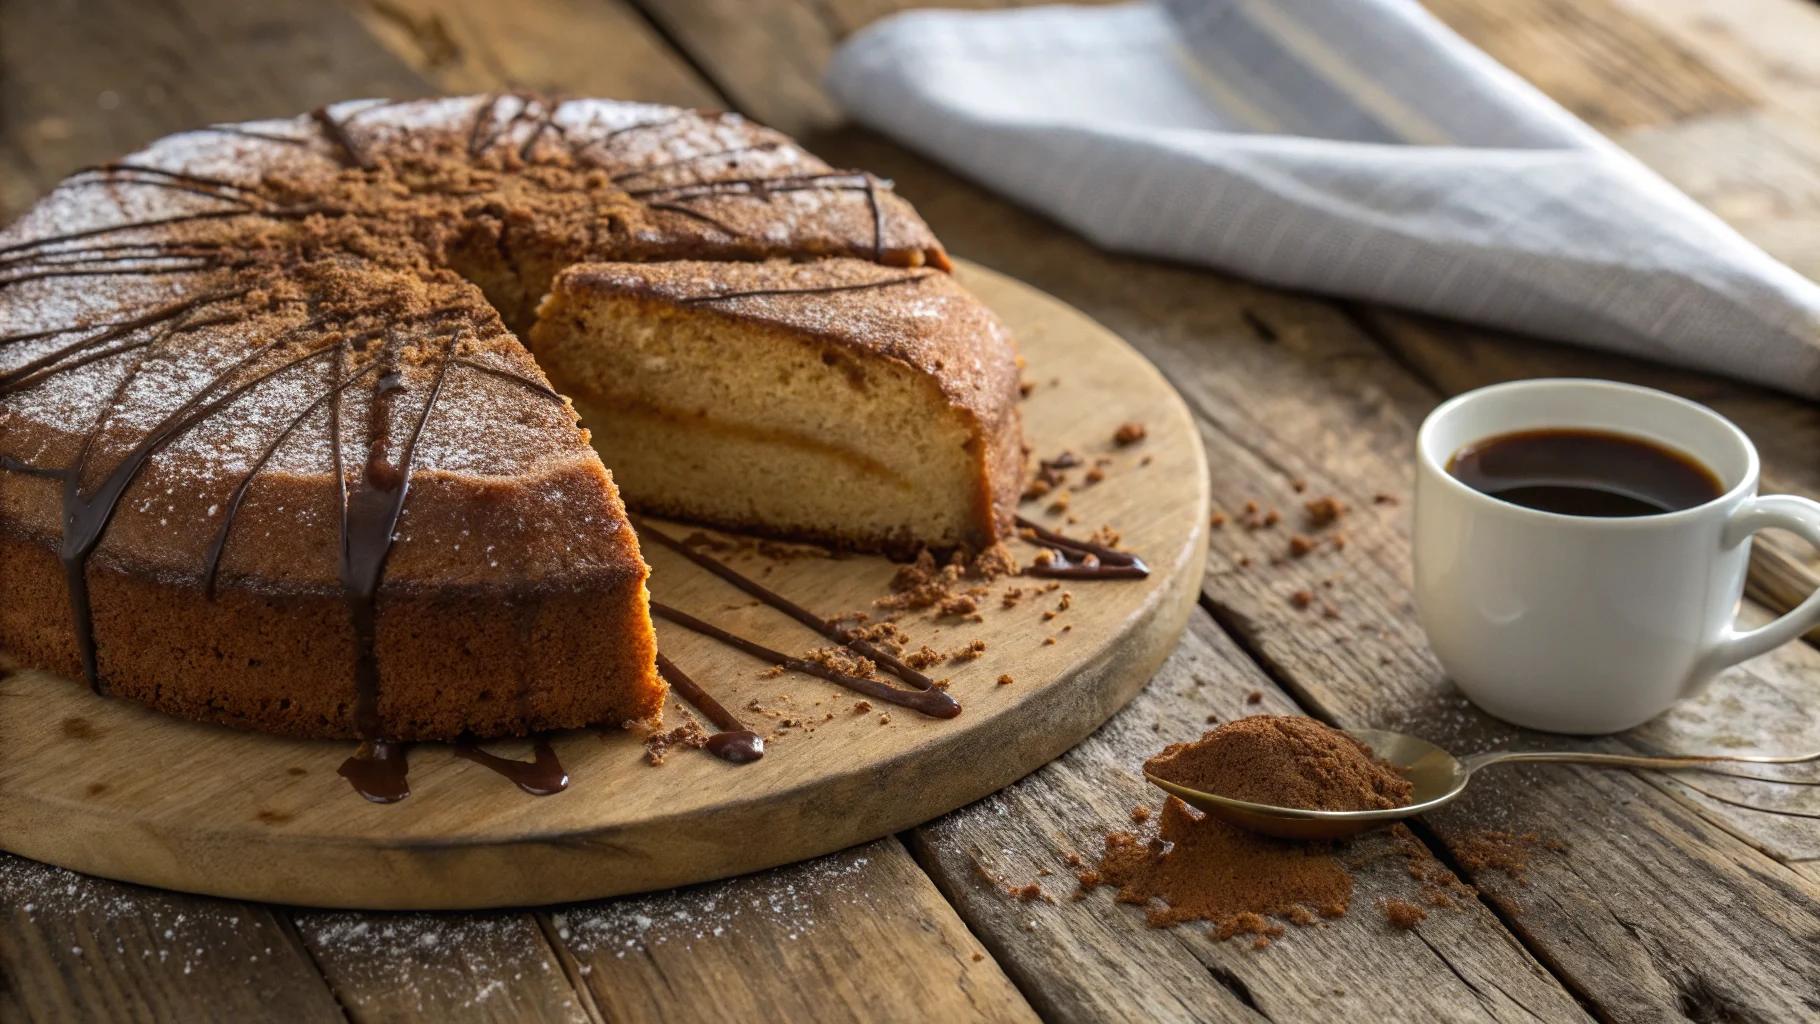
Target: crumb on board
x: 1129, y: 433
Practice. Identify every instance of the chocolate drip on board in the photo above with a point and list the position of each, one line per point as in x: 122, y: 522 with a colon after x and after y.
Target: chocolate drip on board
x: 378, y: 771
x: 1097, y: 561
x: 541, y: 776
x: 734, y: 742
x: 783, y: 604
x: 932, y: 702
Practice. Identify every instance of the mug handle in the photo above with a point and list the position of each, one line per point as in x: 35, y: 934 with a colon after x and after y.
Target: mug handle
x: 1785, y: 511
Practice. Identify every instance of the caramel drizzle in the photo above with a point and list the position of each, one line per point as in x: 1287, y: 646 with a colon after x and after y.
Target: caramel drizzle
x: 1098, y: 561
x: 692, y: 300
x: 784, y: 604
x: 734, y: 742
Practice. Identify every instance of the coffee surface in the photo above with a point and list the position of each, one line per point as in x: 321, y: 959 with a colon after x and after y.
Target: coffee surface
x: 1584, y: 473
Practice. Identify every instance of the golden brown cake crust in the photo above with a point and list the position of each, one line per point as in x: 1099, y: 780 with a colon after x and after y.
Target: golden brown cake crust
x: 188, y: 323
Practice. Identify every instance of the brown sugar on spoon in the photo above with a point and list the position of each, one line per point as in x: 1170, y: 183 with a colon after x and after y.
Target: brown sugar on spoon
x: 1284, y: 761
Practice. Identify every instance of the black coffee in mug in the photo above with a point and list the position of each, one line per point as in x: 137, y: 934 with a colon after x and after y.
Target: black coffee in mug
x: 1577, y: 472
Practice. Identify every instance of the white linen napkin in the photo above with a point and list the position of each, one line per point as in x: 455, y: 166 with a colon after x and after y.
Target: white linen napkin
x: 1354, y: 147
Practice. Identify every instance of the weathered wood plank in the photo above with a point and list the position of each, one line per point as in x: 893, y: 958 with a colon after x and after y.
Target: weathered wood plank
x: 1288, y: 388
x: 78, y: 948
x: 1094, y: 960
x: 564, y: 47
x: 495, y: 967
x: 90, y: 80
x: 1613, y: 70
x: 860, y: 935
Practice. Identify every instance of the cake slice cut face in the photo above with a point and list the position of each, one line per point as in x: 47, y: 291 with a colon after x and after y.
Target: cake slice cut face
x: 272, y: 455
x: 867, y: 407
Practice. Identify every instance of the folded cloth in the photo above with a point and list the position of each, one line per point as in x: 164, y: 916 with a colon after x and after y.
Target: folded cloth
x: 1354, y: 147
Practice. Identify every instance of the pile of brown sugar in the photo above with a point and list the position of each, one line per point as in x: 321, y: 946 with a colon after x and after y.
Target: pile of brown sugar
x: 1284, y: 761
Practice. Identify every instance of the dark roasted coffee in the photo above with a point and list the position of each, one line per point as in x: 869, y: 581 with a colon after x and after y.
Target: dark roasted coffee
x: 1584, y: 473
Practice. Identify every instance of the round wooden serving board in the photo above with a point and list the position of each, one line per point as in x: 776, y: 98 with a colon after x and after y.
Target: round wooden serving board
x: 112, y: 789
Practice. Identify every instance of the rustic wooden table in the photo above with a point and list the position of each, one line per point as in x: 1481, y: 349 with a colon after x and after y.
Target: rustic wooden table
x: 1668, y: 898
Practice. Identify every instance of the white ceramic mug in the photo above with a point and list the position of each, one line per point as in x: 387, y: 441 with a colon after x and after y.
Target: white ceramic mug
x: 1591, y: 625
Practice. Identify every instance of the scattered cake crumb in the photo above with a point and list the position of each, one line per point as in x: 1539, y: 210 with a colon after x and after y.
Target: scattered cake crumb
x: 1254, y: 697
x: 861, y: 707
x: 1004, y: 680
x: 1324, y: 511
x: 1129, y: 433
x: 1301, y: 599
x: 1140, y: 814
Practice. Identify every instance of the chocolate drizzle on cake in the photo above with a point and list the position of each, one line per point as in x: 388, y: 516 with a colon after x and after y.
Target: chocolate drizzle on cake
x: 237, y: 248
x: 695, y: 300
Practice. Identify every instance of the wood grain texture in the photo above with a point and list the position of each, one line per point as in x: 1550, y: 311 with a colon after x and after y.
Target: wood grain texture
x: 860, y: 935
x: 263, y: 817
x: 78, y: 948
x: 1286, y: 388
x: 563, y: 47
x: 1611, y: 69
x: 1093, y: 960
x: 491, y: 967
x: 89, y: 80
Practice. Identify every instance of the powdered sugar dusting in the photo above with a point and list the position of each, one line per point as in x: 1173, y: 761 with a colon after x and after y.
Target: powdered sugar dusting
x: 782, y: 905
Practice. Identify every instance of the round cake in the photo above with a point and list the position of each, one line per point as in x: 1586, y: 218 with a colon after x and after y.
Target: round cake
x: 272, y: 453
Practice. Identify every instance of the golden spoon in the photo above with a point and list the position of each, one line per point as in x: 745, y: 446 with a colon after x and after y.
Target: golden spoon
x: 1437, y: 776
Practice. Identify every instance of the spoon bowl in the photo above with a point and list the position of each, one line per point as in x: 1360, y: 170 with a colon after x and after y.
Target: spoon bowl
x: 1436, y: 776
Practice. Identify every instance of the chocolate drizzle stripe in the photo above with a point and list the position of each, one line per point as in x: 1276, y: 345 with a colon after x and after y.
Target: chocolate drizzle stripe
x: 1106, y: 563
x: 933, y: 702
x: 763, y: 147
x: 712, y: 222
x: 368, y: 517
x: 337, y: 134
x: 734, y: 742
x: 84, y: 521
x: 552, y: 108
x: 821, y: 290
x: 121, y: 167
x: 50, y: 275
x: 855, y: 180
x: 541, y: 776
x: 525, y: 382
x: 168, y: 186
x: 482, y: 116
x: 219, y: 544
x: 783, y: 604
x: 75, y: 236
x: 878, y: 220
x: 244, y: 132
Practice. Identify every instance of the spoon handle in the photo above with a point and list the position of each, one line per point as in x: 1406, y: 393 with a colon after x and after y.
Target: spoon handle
x: 1474, y: 762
